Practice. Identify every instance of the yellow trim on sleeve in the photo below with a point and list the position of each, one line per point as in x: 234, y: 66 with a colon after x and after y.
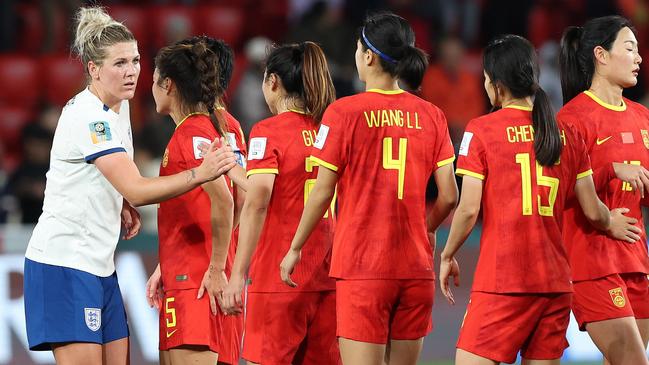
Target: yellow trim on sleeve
x: 386, y: 92
x: 262, y: 171
x: 446, y: 161
x: 584, y: 174
x: 326, y: 164
x: 617, y: 108
x: 519, y: 107
x: 461, y: 172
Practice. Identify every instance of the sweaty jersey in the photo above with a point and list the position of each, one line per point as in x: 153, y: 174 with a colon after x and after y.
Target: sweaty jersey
x: 384, y: 146
x: 521, y: 250
x: 184, y: 227
x: 612, y: 134
x: 281, y: 145
x: 80, y: 224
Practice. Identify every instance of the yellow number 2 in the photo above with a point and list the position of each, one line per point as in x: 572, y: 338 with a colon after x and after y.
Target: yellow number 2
x: 389, y: 163
x: 523, y: 159
x: 309, y: 164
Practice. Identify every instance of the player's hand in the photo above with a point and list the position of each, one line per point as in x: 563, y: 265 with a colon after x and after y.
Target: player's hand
x: 636, y: 175
x: 622, y: 227
x: 232, y: 300
x: 448, y: 267
x: 287, y: 265
x: 214, y: 281
x: 154, y: 293
x: 217, y: 160
x: 131, y: 222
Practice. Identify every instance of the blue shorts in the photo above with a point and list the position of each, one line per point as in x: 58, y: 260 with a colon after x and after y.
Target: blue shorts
x: 65, y: 305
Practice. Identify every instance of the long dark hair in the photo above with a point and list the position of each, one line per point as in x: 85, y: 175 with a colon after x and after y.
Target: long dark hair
x: 510, y: 61
x: 393, y: 40
x: 305, y: 75
x: 577, y: 59
x: 195, y: 71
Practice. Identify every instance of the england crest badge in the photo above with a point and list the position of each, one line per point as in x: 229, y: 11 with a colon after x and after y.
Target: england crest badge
x: 93, y: 318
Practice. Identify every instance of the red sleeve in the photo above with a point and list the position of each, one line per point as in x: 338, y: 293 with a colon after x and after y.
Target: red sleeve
x: 264, y: 154
x: 472, y: 155
x: 330, y: 148
x: 444, y: 153
x: 582, y: 160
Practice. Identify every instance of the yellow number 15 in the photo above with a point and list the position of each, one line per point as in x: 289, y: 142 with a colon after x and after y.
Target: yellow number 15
x: 523, y: 159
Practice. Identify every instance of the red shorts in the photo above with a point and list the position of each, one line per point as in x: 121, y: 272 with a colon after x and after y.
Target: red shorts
x: 277, y: 325
x: 498, y: 326
x: 613, y: 296
x: 185, y: 320
x: 230, y: 338
x: 378, y: 310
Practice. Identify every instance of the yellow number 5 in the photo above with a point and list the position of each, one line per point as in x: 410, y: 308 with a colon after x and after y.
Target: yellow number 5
x: 523, y: 159
x: 399, y: 164
x: 171, y: 311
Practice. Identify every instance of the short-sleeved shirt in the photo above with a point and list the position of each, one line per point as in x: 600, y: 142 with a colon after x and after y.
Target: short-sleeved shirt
x: 281, y: 145
x: 384, y: 145
x: 81, y: 222
x: 612, y: 134
x: 521, y: 250
x: 184, y: 222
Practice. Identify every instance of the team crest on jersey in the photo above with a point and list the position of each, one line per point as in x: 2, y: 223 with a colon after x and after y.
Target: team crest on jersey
x: 165, y: 158
x: 618, y: 297
x: 100, y: 132
x: 645, y: 137
x: 93, y: 318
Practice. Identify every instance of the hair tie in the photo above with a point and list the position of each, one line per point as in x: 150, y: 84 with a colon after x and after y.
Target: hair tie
x: 376, y: 50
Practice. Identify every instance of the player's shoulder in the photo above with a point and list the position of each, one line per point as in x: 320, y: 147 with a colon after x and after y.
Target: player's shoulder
x: 637, y: 107
x: 84, y: 109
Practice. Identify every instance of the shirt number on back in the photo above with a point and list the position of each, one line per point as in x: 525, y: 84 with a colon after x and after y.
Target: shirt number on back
x: 523, y: 159
x: 309, y: 164
x: 389, y: 163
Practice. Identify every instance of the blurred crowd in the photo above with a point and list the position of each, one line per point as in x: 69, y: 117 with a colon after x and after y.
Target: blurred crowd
x: 38, y: 74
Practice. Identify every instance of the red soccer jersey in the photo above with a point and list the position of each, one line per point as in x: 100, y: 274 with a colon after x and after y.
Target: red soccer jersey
x: 281, y: 145
x: 184, y: 228
x: 521, y: 250
x: 611, y: 134
x: 384, y: 145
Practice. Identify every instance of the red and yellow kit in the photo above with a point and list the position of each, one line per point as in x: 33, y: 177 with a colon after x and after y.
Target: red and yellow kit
x: 281, y: 145
x: 185, y: 236
x: 384, y: 145
x: 521, y: 250
x: 602, y: 265
x: 522, y: 280
x: 611, y: 134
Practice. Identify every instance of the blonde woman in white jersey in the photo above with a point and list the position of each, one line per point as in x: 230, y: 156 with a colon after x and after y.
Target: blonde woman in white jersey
x: 73, y: 305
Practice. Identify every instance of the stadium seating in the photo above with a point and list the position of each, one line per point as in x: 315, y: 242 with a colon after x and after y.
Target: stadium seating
x: 224, y: 22
x: 21, y: 80
x: 63, y: 78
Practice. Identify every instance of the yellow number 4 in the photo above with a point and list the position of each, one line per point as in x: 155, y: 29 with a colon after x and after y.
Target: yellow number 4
x: 399, y: 164
x: 523, y: 159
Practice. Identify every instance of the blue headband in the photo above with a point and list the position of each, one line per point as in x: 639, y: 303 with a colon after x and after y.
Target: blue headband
x: 376, y: 50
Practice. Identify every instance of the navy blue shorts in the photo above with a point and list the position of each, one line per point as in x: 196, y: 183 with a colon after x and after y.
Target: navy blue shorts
x: 65, y: 305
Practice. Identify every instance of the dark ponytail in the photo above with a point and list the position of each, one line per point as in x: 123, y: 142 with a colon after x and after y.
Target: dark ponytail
x: 393, y: 40
x: 195, y: 72
x: 577, y: 59
x: 510, y: 61
x: 305, y: 75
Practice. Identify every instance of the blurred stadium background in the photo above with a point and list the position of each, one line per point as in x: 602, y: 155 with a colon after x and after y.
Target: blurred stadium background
x: 38, y: 75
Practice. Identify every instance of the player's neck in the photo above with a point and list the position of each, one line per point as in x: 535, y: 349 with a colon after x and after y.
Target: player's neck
x: 110, y: 102
x: 606, y: 91
x: 382, y: 81
x: 287, y: 104
x: 523, y: 102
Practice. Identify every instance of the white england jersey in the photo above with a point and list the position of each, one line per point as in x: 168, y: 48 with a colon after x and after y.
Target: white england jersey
x: 81, y: 222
